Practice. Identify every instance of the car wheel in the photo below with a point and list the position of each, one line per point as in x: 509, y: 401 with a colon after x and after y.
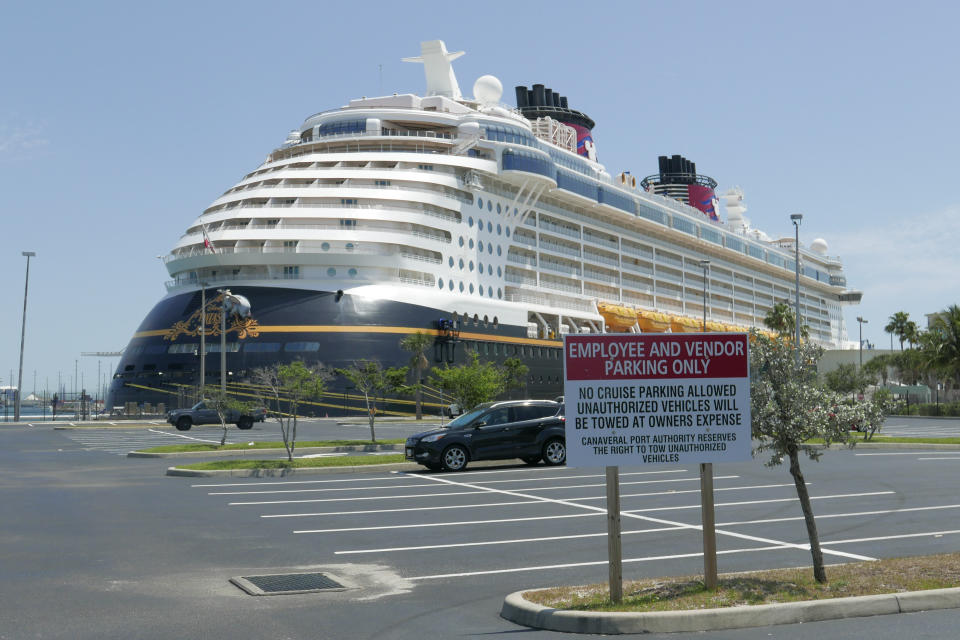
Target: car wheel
x: 246, y: 422
x: 184, y: 423
x: 531, y: 460
x: 455, y: 458
x: 554, y: 452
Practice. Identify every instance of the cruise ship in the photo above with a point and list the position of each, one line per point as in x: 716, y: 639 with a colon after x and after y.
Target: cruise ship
x: 492, y: 227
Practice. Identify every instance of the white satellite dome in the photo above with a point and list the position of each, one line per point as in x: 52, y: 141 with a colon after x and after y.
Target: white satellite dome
x: 487, y: 90
x: 819, y: 246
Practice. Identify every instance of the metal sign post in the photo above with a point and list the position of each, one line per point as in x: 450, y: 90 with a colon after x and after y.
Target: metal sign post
x: 614, y: 549
x: 709, y: 529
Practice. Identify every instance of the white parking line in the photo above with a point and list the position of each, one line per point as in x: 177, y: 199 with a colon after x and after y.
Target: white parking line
x: 285, y: 482
x: 355, y: 499
x: 496, y: 542
x: 180, y: 435
x: 945, y: 458
x: 592, y: 475
x: 733, y: 534
x: 597, y: 563
x: 432, y: 484
x: 499, y: 504
x: 903, y: 535
x: 746, y: 502
x: 852, y: 514
x: 432, y: 525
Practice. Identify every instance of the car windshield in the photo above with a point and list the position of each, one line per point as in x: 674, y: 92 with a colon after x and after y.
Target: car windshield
x: 198, y: 406
x: 465, y: 419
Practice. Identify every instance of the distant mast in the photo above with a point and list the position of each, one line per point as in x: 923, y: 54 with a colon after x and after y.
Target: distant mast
x: 441, y: 81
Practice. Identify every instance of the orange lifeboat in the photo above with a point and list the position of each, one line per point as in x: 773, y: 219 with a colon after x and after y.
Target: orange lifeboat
x: 617, y: 318
x: 653, y: 322
x: 683, y: 324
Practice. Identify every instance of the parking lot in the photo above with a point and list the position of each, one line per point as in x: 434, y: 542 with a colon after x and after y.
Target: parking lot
x: 100, y: 545
x: 545, y: 524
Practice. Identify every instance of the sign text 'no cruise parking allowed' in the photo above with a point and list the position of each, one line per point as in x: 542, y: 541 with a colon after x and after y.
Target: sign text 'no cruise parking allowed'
x: 637, y: 399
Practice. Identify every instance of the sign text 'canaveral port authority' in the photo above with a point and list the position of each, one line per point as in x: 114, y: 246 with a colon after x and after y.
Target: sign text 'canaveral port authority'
x: 636, y: 399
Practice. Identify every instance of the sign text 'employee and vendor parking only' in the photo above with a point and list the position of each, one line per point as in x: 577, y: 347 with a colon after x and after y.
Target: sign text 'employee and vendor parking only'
x: 635, y: 399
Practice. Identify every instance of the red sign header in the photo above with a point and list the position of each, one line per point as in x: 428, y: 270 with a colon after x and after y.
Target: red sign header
x: 655, y: 356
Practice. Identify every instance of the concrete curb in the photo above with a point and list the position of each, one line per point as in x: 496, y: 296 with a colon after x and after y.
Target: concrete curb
x: 521, y: 611
x: 278, y: 451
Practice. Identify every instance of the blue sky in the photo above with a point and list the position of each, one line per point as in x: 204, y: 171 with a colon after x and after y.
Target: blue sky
x: 121, y: 122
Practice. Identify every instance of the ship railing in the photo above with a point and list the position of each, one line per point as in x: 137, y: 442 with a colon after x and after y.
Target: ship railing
x: 393, y: 205
x: 559, y: 267
x: 558, y: 286
x: 638, y: 268
x: 530, y: 260
x: 596, y: 257
x: 551, y: 301
x: 524, y: 240
x: 383, y: 133
x: 556, y: 228
x: 558, y: 248
x: 421, y: 258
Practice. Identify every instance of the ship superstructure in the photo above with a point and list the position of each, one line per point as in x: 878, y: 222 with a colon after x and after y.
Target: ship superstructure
x: 493, y: 228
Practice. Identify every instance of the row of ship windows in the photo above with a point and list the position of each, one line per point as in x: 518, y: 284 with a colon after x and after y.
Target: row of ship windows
x: 213, y: 346
x: 480, y: 246
x: 469, y: 267
x: 519, y: 351
x: 452, y: 285
x: 294, y: 272
x: 500, y: 229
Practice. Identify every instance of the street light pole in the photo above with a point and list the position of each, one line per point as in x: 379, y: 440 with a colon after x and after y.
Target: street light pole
x: 23, y: 335
x: 861, y: 321
x: 796, y: 218
x: 705, y: 265
x: 223, y: 340
x: 203, y: 337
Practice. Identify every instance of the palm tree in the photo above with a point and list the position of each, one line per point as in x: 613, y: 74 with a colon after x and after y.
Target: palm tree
x: 946, y: 354
x: 782, y: 320
x: 898, y: 326
x: 417, y: 344
x: 911, y: 333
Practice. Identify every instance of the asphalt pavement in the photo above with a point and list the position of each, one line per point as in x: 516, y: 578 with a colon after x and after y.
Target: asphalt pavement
x: 97, y: 545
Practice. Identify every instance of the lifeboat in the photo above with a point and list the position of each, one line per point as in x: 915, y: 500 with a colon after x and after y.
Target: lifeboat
x: 653, y: 322
x: 683, y: 324
x: 617, y: 317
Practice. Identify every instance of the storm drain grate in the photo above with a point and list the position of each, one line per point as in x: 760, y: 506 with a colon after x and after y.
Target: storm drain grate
x: 287, y: 583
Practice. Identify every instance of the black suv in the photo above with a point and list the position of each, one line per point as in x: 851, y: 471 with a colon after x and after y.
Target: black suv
x: 532, y: 430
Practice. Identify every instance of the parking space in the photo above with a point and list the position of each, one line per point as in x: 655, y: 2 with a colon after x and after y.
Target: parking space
x: 551, y: 522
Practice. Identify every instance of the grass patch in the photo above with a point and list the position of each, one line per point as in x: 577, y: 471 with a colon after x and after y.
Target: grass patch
x: 891, y: 575
x: 183, y: 448
x: 298, y: 463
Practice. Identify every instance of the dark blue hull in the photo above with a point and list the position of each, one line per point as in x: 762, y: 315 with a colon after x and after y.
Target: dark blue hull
x: 161, y: 364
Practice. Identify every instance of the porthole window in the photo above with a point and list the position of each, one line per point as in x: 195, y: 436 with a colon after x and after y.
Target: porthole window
x: 471, y: 287
x: 461, y: 287
x: 486, y: 321
x: 499, y: 272
x: 480, y: 290
x: 515, y: 211
x: 499, y: 230
x: 499, y: 251
x: 496, y: 322
x: 480, y: 246
x: 471, y: 243
x: 507, y: 230
x: 476, y: 320
x: 349, y: 246
x: 489, y: 206
x: 490, y: 224
x: 499, y: 294
x: 471, y: 265
x: 451, y: 285
x: 461, y: 241
x: 490, y: 292
x: 461, y: 263
x: 480, y: 267
x: 489, y: 269
x: 480, y: 202
x: 331, y: 272
x: 440, y: 283
x: 325, y: 246
x: 353, y: 273
x: 490, y: 248
x: 450, y: 262
x: 470, y: 221
x: 498, y: 207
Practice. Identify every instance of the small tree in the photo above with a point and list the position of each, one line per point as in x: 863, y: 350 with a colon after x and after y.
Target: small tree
x: 516, y: 373
x: 782, y: 320
x: 291, y: 384
x: 878, y: 366
x: 788, y: 408
x: 375, y: 383
x: 225, y: 405
x: 470, y: 384
x: 846, y: 378
x: 417, y: 344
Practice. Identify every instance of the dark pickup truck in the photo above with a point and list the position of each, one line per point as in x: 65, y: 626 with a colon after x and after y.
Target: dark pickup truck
x: 200, y: 413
